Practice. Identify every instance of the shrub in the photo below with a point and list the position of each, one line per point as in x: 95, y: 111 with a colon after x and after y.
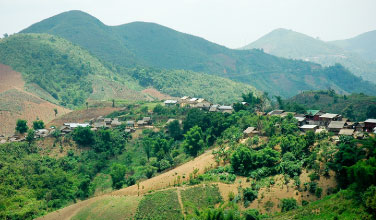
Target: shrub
x: 318, y: 192
x: 38, y: 124
x: 251, y: 214
x: 83, y: 136
x: 288, y: 204
x: 21, y: 126
x: 249, y: 195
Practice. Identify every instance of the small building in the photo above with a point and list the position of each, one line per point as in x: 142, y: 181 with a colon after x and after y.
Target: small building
x: 65, y: 129
x: 203, y: 105
x: 115, y: 123
x: 313, y: 115
x: 213, y: 108
x: 306, y: 128
x: 250, y: 131
x: 346, y: 132
x: 225, y: 109
x: 184, y: 101
x: 39, y: 133
x: 99, y: 125
x: 147, y: 120
x: 276, y: 112
x: 369, y: 124
x: 359, y: 126
x: 301, y: 120
x: 129, y: 124
x: 140, y: 123
x: 326, y: 118
x: 108, y: 121
x: 320, y: 130
x: 170, y: 103
x: 336, y: 126
x: 284, y: 114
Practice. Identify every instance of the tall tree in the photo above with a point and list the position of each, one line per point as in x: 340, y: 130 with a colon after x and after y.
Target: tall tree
x: 194, y: 141
x: 21, y: 126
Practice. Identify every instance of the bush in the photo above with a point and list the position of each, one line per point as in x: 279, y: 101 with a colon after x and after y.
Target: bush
x: 83, y: 136
x: 249, y: 195
x: 251, y: 214
x: 118, y: 175
x: 38, y: 124
x: 21, y: 126
x: 318, y: 192
x: 288, y: 204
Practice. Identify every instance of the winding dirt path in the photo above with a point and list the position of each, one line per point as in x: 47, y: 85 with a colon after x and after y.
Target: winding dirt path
x: 162, y: 181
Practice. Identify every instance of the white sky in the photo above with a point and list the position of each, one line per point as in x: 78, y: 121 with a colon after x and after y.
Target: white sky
x: 233, y: 23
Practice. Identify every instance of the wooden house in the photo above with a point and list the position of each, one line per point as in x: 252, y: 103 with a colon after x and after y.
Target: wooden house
x: 336, y: 126
x: 306, y: 128
x: 369, y: 125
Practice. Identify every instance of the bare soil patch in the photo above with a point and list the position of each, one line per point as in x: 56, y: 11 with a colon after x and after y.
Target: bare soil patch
x: 16, y: 103
x: 156, y: 94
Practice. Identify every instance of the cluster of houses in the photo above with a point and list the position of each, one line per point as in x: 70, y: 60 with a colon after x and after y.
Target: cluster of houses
x: 199, y: 103
x: 318, y: 121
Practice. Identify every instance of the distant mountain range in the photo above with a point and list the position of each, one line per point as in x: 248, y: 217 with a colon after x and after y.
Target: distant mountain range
x: 358, y: 54
x: 156, y: 46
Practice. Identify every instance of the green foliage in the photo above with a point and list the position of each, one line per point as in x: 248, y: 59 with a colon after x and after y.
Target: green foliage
x: 249, y: 195
x: 159, y: 205
x: 83, y: 136
x: 200, y: 197
x: 193, y: 141
x: 288, y: 204
x: 356, y: 107
x: 363, y: 173
x: 38, y: 124
x: 30, y: 136
x: 175, y: 130
x: 21, y: 126
x: 118, y: 175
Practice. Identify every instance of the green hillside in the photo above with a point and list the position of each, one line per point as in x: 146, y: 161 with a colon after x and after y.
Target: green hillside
x: 355, y: 106
x: 363, y: 44
x: 63, y: 70
x: 71, y: 75
x: 291, y: 44
x: 153, y: 45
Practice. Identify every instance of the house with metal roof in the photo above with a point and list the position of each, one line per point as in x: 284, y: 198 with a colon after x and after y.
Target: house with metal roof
x: 336, y: 126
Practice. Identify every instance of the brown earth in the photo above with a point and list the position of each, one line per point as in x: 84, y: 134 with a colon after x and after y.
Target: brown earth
x: 16, y: 103
x: 156, y: 94
x: 84, y: 115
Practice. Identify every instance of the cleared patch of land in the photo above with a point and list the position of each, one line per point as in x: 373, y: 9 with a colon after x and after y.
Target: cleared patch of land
x: 16, y: 103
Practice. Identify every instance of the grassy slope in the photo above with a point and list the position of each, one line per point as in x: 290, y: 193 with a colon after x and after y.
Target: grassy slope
x: 291, y: 44
x: 58, y: 67
x: 337, y: 206
x: 161, y: 47
x: 327, y: 103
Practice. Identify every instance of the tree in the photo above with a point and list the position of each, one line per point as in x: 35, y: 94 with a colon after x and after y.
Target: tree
x: 147, y: 144
x: 21, y: 126
x: 87, y: 105
x: 39, y: 124
x: 371, y: 111
x: 194, y: 141
x: 55, y: 110
x: 83, y: 136
x: 249, y: 195
x: 288, y: 204
x: 113, y: 103
x: 5, y: 35
x: 30, y: 136
x: 174, y: 130
x: 118, y: 175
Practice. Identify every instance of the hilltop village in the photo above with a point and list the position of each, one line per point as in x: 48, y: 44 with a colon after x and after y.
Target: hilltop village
x: 313, y: 120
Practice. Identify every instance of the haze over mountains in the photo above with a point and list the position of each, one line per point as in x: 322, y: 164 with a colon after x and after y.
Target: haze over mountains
x: 357, y: 54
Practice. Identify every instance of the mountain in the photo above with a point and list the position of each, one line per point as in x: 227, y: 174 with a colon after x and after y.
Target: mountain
x: 153, y: 45
x: 363, y: 44
x: 66, y: 74
x: 291, y: 44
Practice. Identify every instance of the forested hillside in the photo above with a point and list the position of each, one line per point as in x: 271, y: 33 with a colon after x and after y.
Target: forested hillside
x: 294, y: 45
x: 153, y: 45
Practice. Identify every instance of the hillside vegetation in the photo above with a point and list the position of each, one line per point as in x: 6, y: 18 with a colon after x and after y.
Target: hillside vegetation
x: 356, y: 107
x: 153, y: 45
x: 66, y: 74
x: 294, y: 45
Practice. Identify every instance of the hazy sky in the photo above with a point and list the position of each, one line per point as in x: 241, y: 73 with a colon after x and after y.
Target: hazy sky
x: 232, y: 23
